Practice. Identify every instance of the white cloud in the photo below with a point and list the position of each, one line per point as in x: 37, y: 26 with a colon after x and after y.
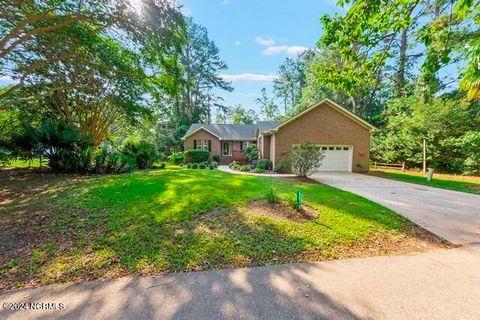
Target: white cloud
x: 250, y: 77
x: 225, y: 2
x: 237, y: 43
x: 291, y: 51
x: 265, y: 41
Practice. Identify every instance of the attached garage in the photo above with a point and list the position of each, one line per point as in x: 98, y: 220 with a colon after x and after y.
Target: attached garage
x: 343, y: 136
x: 336, y: 158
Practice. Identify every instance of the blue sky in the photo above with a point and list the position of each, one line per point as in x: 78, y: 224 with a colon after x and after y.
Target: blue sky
x: 255, y: 36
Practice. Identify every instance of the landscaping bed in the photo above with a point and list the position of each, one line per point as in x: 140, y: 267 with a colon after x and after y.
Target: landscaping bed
x: 58, y: 228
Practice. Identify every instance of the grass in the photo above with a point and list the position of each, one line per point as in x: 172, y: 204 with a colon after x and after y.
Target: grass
x: 20, y: 163
x: 62, y: 228
x: 463, y: 183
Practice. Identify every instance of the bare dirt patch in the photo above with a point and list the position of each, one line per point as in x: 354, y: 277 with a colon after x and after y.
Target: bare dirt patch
x: 282, y: 211
x: 473, y: 186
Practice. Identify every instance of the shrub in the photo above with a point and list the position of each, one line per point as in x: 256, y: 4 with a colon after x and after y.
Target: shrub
x: 251, y: 153
x: 162, y: 165
x: 194, y: 165
x: 189, y: 165
x: 66, y: 149
x: 244, y: 168
x: 232, y: 164
x: 259, y: 170
x: 176, y: 157
x: 211, y: 167
x: 284, y: 165
x: 305, y: 158
x: 272, y: 195
x: 5, y: 155
x: 196, y: 155
x: 202, y: 165
x: 214, y: 164
x: 216, y: 158
x: 107, y: 160
x: 144, y: 152
x: 264, y: 164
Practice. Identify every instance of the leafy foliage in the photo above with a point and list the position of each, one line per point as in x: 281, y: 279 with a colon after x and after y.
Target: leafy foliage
x: 107, y: 160
x: 177, y: 157
x: 291, y: 80
x: 267, y: 106
x: 145, y: 153
x: 272, y: 195
x: 442, y: 122
x: 305, y: 158
x: 252, y: 153
x: 196, y: 156
x: 237, y: 115
x: 264, y: 164
x: 284, y: 165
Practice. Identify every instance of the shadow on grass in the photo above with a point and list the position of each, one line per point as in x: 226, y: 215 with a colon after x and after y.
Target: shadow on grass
x: 180, y: 220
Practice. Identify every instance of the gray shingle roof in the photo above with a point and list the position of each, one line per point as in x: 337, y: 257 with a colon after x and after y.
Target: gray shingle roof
x: 227, y: 131
x: 265, y: 126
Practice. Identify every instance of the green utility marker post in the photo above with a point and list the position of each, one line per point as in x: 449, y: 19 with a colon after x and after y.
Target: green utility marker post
x: 299, y: 199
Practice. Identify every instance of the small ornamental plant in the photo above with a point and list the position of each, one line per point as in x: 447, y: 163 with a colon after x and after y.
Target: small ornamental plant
x: 306, y: 158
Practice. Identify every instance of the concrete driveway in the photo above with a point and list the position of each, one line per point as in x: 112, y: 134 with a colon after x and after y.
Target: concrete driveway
x: 452, y: 215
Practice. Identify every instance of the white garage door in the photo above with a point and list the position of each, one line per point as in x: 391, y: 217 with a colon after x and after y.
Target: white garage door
x: 337, y: 158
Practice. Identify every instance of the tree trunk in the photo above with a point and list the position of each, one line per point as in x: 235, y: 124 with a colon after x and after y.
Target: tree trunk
x: 354, y: 104
x: 402, y: 64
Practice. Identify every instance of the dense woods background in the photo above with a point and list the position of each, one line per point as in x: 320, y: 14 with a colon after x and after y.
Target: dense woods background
x: 116, y: 71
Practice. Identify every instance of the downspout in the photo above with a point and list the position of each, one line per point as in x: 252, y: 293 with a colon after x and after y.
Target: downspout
x: 272, y: 149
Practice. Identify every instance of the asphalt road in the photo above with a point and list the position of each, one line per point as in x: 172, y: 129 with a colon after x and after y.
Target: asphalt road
x: 443, y: 284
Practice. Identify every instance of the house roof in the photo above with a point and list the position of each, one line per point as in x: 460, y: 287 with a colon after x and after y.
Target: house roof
x: 265, y: 126
x: 335, y: 106
x: 225, y: 131
x: 249, y: 131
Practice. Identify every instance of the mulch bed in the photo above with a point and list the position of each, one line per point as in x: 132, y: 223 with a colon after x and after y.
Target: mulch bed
x: 298, y: 179
x: 282, y: 211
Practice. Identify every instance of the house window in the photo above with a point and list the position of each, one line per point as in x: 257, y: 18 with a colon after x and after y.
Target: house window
x: 202, y: 144
x: 241, y: 145
x: 226, y: 148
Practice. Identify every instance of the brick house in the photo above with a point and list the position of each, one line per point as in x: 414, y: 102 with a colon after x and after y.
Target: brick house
x: 343, y: 136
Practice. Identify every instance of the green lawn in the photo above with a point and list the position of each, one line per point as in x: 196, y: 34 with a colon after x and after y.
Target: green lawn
x: 462, y: 183
x: 19, y: 163
x: 176, y: 219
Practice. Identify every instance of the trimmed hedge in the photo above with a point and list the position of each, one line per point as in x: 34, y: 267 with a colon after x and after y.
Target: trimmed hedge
x: 196, y: 156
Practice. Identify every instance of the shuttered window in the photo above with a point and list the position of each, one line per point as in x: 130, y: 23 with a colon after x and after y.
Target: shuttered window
x: 202, y: 144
